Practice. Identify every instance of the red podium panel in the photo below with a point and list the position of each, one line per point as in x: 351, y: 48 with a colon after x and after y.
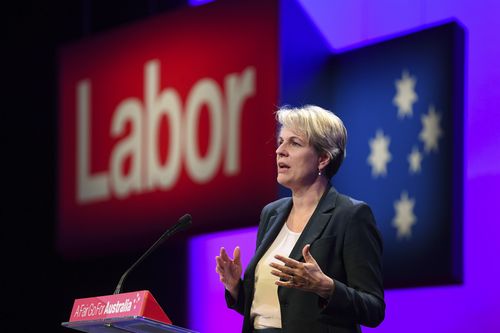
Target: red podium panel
x: 135, y: 311
x: 137, y: 303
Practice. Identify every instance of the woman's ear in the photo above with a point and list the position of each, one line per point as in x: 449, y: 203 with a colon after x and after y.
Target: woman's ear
x: 323, y: 161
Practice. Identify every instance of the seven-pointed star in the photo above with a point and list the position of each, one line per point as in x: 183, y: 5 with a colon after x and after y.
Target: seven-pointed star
x: 379, y: 155
x: 431, y: 131
x: 415, y: 160
x: 406, y: 95
x: 404, y: 219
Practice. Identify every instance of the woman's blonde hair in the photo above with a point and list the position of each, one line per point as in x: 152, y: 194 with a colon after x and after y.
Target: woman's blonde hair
x: 324, y: 131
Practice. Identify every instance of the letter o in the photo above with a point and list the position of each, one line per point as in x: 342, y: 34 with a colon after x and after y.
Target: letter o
x: 202, y: 169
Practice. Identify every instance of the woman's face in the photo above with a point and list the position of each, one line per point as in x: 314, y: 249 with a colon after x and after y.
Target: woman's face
x: 297, y: 161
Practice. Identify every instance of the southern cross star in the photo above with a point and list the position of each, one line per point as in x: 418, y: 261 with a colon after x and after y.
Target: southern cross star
x: 431, y: 131
x: 406, y: 95
x: 379, y: 154
x: 415, y: 160
x: 405, y: 218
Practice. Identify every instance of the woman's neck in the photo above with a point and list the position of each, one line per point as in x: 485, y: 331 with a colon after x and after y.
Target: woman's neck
x: 305, y: 201
x: 307, y: 198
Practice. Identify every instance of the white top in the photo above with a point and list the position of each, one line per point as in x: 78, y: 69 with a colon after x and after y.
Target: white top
x: 265, y: 309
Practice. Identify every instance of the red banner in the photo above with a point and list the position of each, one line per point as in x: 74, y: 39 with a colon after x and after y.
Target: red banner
x: 166, y: 117
x: 137, y: 303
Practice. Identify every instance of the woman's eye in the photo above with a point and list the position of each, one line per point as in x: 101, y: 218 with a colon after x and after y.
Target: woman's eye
x: 289, y: 143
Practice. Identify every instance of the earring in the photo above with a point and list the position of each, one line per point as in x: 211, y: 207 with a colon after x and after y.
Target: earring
x: 319, y: 172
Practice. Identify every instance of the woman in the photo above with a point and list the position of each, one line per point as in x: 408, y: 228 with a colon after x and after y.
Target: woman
x: 317, y: 264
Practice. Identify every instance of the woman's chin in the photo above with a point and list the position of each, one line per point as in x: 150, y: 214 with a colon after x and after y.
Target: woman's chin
x: 283, y: 181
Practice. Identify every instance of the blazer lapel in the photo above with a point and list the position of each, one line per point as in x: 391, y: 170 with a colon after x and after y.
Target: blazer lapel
x: 274, y: 227
x: 316, y: 224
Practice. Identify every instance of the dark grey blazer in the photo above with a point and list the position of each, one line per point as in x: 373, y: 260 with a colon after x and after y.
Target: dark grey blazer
x: 347, y: 246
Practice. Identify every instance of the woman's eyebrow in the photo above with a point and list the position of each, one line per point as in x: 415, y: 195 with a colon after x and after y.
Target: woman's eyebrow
x: 291, y: 137
x: 295, y: 137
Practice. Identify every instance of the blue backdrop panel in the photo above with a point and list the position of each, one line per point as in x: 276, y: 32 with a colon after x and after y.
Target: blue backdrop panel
x: 402, y: 103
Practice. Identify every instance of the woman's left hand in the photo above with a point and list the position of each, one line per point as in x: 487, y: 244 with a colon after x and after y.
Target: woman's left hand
x: 306, y: 276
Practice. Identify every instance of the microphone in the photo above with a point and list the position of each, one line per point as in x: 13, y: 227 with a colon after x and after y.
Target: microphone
x: 182, y: 223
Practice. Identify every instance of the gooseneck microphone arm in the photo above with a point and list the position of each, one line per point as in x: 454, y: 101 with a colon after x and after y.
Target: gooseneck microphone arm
x: 183, y: 223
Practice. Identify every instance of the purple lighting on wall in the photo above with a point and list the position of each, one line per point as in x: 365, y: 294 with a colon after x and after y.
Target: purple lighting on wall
x: 199, y: 2
x: 208, y: 311
x: 473, y: 306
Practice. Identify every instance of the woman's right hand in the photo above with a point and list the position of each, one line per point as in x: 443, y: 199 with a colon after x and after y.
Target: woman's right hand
x: 229, y: 270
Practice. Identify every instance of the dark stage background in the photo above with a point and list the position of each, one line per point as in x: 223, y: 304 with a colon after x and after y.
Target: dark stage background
x: 38, y: 285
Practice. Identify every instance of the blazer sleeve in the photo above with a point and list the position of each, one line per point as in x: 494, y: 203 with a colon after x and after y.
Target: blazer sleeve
x: 360, y: 299
x: 236, y: 304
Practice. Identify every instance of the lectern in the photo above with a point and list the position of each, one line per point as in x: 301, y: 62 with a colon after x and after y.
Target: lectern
x: 136, y: 312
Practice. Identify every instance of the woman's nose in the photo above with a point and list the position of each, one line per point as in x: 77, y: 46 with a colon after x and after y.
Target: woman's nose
x: 280, y: 151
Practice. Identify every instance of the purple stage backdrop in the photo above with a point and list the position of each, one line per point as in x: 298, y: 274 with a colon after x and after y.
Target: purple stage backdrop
x: 473, y: 306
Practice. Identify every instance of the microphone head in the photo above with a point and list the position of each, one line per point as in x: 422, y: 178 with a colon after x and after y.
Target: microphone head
x: 183, y: 223
x: 185, y: 220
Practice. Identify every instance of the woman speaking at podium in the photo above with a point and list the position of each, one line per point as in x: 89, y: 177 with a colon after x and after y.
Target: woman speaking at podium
x: 317, y: 264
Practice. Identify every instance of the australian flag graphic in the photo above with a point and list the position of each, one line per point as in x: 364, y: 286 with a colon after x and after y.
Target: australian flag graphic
x: 402, y: 103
